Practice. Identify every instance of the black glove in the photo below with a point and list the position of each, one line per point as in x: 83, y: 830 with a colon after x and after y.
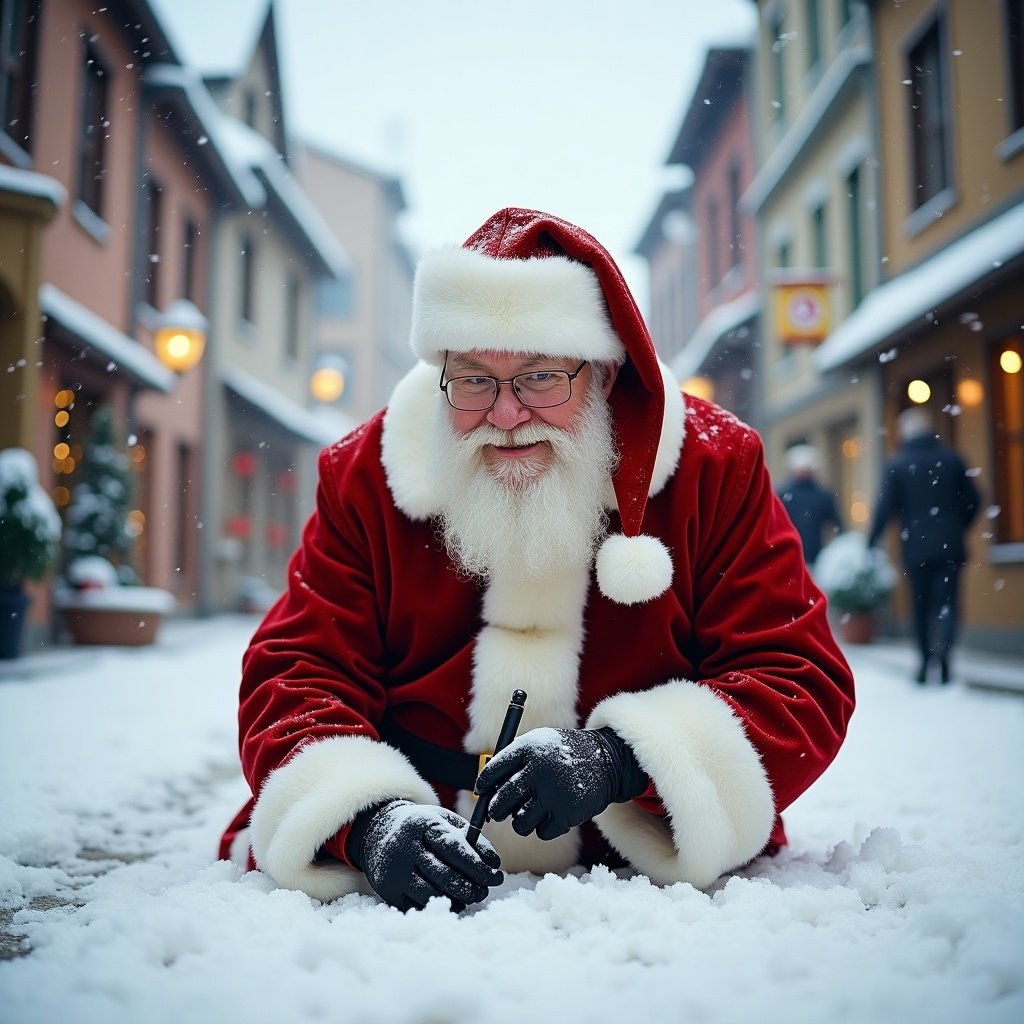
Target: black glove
x: 554, y: 779
x: 410, y: 852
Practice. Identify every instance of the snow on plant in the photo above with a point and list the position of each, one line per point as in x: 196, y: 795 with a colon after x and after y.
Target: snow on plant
x: 30, y: 527
x: 854, y: 577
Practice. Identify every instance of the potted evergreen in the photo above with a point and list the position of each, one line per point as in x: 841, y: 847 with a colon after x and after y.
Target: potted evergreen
x: 857, y: 580
x: 30, y: 533
x: 99, y: 598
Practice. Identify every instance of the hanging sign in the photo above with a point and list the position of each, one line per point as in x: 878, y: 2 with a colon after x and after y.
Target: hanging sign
x: 802, y: 309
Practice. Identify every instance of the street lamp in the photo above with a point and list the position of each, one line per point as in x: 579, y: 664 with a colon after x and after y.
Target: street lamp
x: 179, y: 336
x: 327, y: 382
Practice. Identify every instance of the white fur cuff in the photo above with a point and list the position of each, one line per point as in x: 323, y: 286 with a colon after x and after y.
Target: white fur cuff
x: 708, y: 775
x: 310, y: 797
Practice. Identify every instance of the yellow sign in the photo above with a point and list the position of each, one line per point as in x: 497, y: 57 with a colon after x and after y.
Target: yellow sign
x: 801, y: 312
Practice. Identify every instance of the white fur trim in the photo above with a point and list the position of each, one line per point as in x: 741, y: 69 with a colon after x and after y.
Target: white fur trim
x: 709, y: 777
x: 673, y: 433
x: 311, y: 796
x: 403, y: 443
x: 464, y: 300
x: 631, y: 570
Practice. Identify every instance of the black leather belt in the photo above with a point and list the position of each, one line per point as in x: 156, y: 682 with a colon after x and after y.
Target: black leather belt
x: 454, y: 768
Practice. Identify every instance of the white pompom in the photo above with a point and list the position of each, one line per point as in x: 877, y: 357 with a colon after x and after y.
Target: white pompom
x: 631, y: 570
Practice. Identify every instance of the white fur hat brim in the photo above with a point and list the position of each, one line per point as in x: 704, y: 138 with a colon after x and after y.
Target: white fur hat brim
x: 465, y: 301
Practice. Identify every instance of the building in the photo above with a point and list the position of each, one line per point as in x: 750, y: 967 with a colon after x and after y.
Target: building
x: 944, y: 326
x: 815, y: 199
x: 714, y: 141
x: 362, y: 320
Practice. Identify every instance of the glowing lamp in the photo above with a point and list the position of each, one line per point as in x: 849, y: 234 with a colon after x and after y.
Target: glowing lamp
x: 327, y: 382
x: 179, y: 336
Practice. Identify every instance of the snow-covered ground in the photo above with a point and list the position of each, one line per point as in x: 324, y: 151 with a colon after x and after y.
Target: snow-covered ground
x: 900, y: 897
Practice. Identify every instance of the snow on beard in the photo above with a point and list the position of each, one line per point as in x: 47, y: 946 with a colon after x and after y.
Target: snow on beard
x: 527, y: 524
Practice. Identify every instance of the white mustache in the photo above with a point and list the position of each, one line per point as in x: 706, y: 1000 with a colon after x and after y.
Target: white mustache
x: 528, y: 433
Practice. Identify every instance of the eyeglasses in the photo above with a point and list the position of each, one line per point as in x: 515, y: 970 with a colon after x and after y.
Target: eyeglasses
x: 538, y: 389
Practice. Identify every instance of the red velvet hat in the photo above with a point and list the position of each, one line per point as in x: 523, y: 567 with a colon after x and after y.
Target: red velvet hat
x: 529, y: 282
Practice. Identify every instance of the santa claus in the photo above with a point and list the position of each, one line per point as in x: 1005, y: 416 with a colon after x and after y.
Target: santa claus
x: 538, y: 508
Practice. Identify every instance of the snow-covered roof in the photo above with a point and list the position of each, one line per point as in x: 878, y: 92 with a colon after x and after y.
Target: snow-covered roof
x: 125, y: 354
x: 250, y: 148
x: 896, y: 304
x: 834, y: 83
x: 716, y: 325
x: 31, y: 183
x: 322, y: 426
x: 211, y: 123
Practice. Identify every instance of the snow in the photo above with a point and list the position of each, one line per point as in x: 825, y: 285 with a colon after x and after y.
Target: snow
x: 894, y: 305
x: 721, y: 321
x: 900, y: 896
x: 31, y: 183
x: 321, y: 426
x: 93, y: 331
x: 34, y: 509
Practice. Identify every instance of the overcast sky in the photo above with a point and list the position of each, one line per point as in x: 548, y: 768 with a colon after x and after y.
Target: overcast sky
x: 568, y: 106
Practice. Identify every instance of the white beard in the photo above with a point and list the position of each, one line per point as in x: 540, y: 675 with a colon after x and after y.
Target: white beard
x: 522, y: 526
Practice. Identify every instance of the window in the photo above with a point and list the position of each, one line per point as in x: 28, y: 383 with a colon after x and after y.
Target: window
x: 247, y: 267
x: 92, y: 139
x: 1007, y: 378
x: 189, y: 244
x: 185, y: 527
x: 778, y: 70
x: 813, y: 34
x: 1015, y: 61
x: 19, y: 31
x: 820, y: 229
x: 928, y: 120
x: 856, y: 235
x: 712, y: 246
x: 845, y: 12
x: 291, y: 314
x: 151, y: 273
x: 782, y: 255
x: 735, y: 228
x: 335, y: 300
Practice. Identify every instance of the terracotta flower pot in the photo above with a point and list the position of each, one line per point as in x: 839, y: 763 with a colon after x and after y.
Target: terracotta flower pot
x: 857, y: 627
x: 122, y: 616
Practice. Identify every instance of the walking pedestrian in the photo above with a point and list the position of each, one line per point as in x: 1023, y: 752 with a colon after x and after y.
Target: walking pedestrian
x: 925, y: 485
x: 537, y: 508
x: 810, y: 504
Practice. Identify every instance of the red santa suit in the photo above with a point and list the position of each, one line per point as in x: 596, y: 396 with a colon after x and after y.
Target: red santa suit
x: 697, y: 635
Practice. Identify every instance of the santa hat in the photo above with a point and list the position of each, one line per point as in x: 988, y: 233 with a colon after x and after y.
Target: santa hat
x: 528, y: 282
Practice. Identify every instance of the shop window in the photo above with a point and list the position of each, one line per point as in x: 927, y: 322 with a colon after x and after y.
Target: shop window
x: 93, y: 131
x: 1007, y: 378
x: 19, y: 33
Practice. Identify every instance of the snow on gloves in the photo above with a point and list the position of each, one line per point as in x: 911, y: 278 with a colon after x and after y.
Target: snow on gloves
x: 410, y: 852
x: 554, y: 779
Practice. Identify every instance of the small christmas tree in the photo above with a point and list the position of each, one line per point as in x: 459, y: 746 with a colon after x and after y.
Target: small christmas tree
x: 97, y: 518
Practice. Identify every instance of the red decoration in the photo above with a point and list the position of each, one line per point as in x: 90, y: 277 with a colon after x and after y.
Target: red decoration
x: 239, y: 526
x: 244, y: 464
x: 277, y: 535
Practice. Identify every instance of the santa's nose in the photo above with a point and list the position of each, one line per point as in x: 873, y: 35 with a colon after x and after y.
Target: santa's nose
x: 507, y: 411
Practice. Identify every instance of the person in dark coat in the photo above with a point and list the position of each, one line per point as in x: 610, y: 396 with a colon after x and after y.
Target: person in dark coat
x: 926, y: 485
x: 811, y: 506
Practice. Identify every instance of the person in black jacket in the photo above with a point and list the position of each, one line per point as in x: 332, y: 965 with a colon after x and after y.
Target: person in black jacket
x: 926, y: 485
x: 811, y: 506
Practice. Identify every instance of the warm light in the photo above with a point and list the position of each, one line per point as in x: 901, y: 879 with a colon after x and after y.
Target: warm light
x: 859, y: 511
x: 61, y: 419
x: 61, y: 451
x: 1010, y: 361
x: 138, y: 454
x: 852, y: 448
x: 61, y: 496
x: 699, y: 387
x: 64, y: 398
x: 136, y: 522
x: 327, y: 383
x: 970, y: 393
x: 918, y: 391
x: 180, y: 336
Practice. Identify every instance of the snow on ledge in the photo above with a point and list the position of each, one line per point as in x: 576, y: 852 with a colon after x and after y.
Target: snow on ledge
x: 895, y: 304
x: 716, y: 325
x: 151, y: 600
x: 31, y: 183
